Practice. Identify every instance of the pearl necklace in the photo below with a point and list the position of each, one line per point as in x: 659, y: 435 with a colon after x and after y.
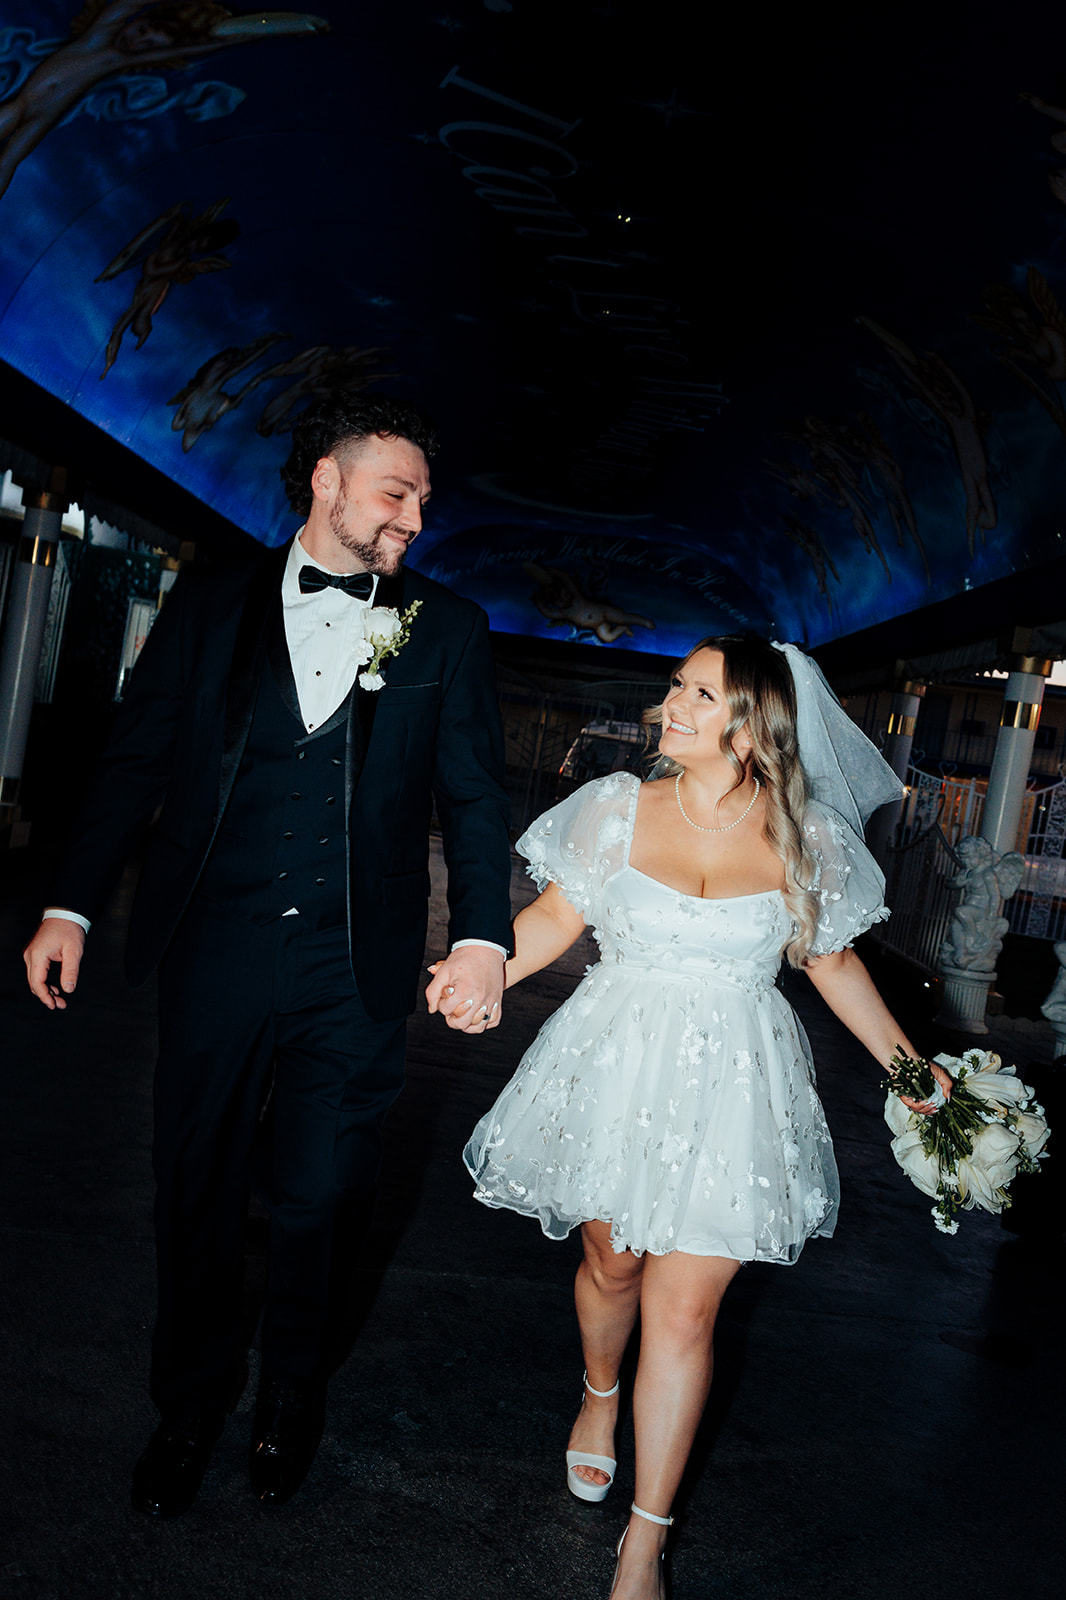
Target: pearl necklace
x: 729, y: 826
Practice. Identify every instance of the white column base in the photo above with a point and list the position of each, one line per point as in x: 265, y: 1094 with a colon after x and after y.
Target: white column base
x: 965, y: 999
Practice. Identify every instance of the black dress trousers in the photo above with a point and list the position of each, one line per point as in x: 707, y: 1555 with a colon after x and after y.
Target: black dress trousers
x: 248, y: 1011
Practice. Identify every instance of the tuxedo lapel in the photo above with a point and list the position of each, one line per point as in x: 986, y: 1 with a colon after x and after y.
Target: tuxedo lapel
x: 246, y: 665
x: 363, y: 704
x: 277, y: 650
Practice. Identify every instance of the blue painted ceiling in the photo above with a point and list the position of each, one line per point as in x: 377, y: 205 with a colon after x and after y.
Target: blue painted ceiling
x: 764, y: 330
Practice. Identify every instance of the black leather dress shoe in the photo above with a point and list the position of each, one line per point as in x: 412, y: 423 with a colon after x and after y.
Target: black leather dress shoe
x: 289, y: 1416
x: 167, y: 1478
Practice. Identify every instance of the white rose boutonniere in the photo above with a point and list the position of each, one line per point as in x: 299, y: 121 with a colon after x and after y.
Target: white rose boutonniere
x: 385, y: 632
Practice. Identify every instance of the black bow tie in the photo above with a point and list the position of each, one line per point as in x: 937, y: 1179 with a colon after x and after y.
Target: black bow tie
x: 359, y: 584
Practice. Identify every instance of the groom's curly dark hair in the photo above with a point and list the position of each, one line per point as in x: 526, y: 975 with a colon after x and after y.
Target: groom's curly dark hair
x: 345, y: 419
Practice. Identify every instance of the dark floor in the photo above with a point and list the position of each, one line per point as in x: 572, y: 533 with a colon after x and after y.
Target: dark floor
x: 886, y: 1420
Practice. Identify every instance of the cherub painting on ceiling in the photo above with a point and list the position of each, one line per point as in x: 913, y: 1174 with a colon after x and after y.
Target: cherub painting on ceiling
x: 559, y: 598
x: 1056, y: 180
x: 944, y: 392
x: 320, y: 371
x: 1031, y: 336
x: 112, y: 38
x: 189, y: 248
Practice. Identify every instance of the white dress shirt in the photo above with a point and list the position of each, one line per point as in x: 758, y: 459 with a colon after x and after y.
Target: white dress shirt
x: 322, y: 631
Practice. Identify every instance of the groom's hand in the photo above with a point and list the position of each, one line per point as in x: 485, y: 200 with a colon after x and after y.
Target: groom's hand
x: 467, y: 988
x: 59, y: 941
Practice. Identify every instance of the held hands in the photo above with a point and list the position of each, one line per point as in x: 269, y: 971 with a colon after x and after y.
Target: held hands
x: 467, y: 988
x: 55, y: 940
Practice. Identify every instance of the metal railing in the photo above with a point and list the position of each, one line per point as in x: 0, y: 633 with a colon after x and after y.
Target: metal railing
x: 921, y: 866
x: 919, y: 885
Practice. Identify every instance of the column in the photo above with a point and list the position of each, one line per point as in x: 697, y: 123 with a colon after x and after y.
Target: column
x: 896, y: 749
x: 1018, y: 723
x: 20, y: 648
x: 965, y: 994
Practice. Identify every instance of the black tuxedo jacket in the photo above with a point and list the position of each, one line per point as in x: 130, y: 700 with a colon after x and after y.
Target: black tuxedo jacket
x: 433, y: 731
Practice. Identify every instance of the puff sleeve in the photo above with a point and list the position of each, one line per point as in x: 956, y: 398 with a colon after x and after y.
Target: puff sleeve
x: 848, y: 882
x: 583, y: 841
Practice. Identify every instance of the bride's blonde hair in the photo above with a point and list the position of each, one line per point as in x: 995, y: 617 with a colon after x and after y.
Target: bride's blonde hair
x: 762, y: 697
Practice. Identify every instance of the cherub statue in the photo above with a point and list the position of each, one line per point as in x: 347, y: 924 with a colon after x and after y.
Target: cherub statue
x: 111, y: 37
x: 975, y: 937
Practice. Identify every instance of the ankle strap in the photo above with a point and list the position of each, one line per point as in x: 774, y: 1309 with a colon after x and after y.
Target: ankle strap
x: 601, y: 1394
x: 664, y: 1522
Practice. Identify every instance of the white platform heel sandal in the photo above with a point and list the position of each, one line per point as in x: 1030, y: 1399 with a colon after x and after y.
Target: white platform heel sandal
x: 649, y: 1516
x: 581, y: 1487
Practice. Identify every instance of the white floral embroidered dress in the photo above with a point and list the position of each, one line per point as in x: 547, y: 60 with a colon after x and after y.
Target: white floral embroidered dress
x: 672, y: 1094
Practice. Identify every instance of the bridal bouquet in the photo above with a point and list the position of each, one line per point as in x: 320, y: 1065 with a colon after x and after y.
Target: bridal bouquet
x: 968, y: 1151
x: 385, y: 632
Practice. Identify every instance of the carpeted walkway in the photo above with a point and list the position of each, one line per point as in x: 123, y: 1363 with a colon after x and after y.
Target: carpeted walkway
x: 886, y: 1419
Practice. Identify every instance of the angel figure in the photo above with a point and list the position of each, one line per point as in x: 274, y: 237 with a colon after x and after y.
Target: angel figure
x: 869, y: 446
x: 204, y: 401
x: 111, y: 37
x: 1056, y: 180
x: 560, y: 600
x: 1039, y: 341
x: 947, y: 396
x: 975, y: 937
x: 810, y: 542
x: 170, y: 261
x: 844, y: 485
x: 321, y: 372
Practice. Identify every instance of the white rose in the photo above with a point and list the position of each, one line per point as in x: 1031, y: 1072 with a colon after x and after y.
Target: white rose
x: 1033, y: 1131
x: 372, y: 681
x: 998, y: 1088
x: 381, y: 624
x: 975, y: 1188
x: 923, y: 1172
x: 898, y: 1116
x: 995, y: 1151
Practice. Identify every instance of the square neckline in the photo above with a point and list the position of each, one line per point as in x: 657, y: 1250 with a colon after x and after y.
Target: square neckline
x: 702, y: 899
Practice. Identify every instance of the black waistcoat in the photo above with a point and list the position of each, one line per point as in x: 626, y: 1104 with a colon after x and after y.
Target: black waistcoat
x: 282, y: 839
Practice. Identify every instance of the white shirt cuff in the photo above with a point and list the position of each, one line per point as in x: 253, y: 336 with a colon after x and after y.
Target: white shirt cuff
x: 69, y: 916
x: 486, y: 944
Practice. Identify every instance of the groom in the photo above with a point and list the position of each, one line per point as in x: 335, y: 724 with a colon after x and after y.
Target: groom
x: 284, y: 896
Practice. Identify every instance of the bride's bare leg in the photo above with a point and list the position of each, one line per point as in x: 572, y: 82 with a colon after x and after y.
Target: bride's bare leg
x: 679, y: 1301
x: 607, y: 1297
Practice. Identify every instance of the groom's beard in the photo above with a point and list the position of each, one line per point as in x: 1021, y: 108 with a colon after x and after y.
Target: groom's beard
x: 373, y: 551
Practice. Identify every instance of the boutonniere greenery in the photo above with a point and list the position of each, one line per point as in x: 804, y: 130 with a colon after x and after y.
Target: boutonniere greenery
x: 385, y: 632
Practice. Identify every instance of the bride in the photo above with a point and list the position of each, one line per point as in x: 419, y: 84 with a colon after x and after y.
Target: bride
x: 668, y: 1107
